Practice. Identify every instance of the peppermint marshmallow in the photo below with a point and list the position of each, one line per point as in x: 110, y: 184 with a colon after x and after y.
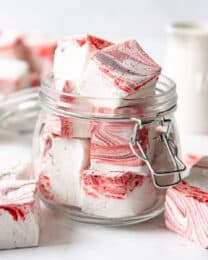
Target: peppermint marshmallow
x: 11, y: 46
x: 19, y: 214
x: 121, y: 71
x: 13, y: 75
x: 186, y: 207
x: 39, y: 53
x: 110, y: 149
x: 72, y: 57
x: 67, y: 127
x: 115, y: 194
x: 63, y: 160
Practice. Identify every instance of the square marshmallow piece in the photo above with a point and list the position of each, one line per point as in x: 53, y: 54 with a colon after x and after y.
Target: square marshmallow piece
x: 119, y: 71
x: 186, y: 206
x: 19, y: 214
x: 13, y: 75
x: 72, y: 57
x: 62, y: 163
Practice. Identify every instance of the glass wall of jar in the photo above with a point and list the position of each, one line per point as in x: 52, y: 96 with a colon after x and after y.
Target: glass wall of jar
x: 103, y: 160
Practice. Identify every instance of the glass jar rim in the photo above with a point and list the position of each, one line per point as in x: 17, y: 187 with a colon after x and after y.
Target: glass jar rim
x: 162, y: 102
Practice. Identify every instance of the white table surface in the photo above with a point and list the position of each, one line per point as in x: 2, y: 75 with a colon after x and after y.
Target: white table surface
x: 63, y: 239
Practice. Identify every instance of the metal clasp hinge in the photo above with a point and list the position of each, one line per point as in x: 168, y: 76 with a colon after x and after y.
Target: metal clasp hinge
x: 172, y: 150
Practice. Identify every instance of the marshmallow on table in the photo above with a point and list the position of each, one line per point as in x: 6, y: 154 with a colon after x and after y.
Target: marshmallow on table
x: 63, y: 160
x: 11, y: 45
x: 13, y: 75
x: 115, y: 194
x: 186, y: 207
x: 15, y: 160
x: 119, y: 72
x: 110, y: 148
x: 72, y: 57
x: 19, y: 214
x: 40, y: 52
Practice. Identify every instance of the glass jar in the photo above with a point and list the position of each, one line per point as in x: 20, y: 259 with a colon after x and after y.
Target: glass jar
x: 106, y: 161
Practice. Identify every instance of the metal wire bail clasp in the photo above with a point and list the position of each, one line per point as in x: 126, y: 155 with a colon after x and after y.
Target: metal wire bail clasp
x: 172, y: 151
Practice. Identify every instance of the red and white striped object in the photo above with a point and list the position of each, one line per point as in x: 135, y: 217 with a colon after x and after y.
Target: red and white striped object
x: 11, y: 46
x: 119, y: 71
x: 186, y: 207
x: 110, y: 148
x: 116, y: 193
x: 39, y: 53
x: 67, y: 127
x: 19, y: 214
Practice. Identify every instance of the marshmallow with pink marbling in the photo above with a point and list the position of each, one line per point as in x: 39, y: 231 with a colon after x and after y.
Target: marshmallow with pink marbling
x: 115, y: 194
x: 13, y: 75
x: 63, y: 160
x: 11, y: 46
x: 19, y: 214
x: 110, y: 149
x: 39, y: 53
x: 186, y: 206
x: 72, y: 56
x: 67, y: 127
x: 118, y: 72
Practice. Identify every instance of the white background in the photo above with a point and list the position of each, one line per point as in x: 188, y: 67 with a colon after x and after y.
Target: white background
x: 145, y: 20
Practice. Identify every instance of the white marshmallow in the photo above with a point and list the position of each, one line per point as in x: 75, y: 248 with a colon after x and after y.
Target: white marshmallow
x: 103, y: 200
x: 19, y: 214
x: 73, y: 54
x: 62, y: 165
x: 13, y: 75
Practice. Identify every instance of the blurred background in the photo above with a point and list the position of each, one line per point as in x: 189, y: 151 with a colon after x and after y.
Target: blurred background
x: 184, y: 56
x: 145, y: 20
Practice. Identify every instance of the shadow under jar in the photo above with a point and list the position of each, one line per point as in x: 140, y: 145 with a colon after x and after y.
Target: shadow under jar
x: 106, y: 161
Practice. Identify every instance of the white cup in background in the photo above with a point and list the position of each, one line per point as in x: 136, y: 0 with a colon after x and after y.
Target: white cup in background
x: 187, y: 64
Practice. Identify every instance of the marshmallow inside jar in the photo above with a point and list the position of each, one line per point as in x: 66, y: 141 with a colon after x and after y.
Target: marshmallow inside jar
x: 94, y: 142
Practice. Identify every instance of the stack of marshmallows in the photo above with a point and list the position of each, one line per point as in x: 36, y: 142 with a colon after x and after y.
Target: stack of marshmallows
x: 89, y: 163
x: 24, y: 59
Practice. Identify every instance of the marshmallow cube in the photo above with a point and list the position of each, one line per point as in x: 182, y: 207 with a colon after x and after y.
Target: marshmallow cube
x: 13, y: 75
x: 72, y: 57
x: 19, y: 214
x: 118, y: 72
x: 110, y: 148
x: 186, y: 207
x: 116, y: 194
x: 39, y: 53
x: 62, y: 163
x: 11, y: 46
